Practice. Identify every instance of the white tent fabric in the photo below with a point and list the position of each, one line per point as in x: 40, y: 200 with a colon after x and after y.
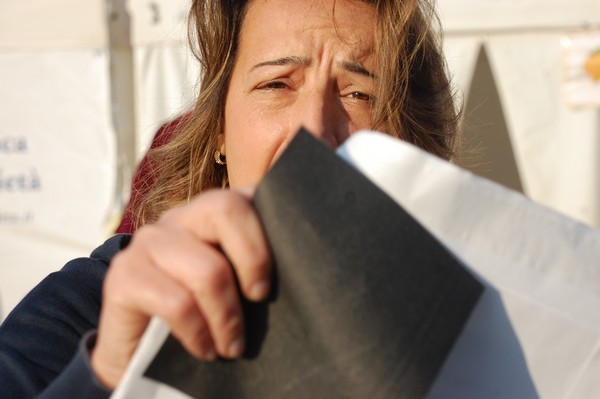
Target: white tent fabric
x: 42, y: 24
x: 477, y: 16
x: 154, y: 76
x: 165, y: 73
x: 461, y: 57
x: 556, y: 146
x: 57, y: 159
x: 165, y: 86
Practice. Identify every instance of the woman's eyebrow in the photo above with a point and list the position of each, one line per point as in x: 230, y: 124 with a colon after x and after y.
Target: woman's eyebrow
x: 356, y: 67
x: 291, y: 60
x: 349, y: 66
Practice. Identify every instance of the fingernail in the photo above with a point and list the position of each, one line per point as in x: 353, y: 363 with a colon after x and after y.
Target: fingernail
x: 236, y: 348
x: 259, y: 290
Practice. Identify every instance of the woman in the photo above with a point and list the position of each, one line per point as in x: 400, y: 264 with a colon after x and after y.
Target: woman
x: 269, y: 67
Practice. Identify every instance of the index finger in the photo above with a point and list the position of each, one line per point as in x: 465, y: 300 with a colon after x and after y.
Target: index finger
x: 227, y: 219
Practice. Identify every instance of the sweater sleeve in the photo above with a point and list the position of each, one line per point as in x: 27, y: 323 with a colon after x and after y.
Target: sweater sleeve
x: 78, y: 379
x: 40, y: 337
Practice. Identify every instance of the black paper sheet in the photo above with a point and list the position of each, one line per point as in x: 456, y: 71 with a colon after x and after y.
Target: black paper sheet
x: 366, y: 304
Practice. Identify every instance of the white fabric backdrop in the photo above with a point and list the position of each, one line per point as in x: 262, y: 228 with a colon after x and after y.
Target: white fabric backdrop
x: 556, y: 146
x: 165, y: 85
x: 43, y: 24
x: 56, y: 112
x: 477, y: 16
x: 166, y: 74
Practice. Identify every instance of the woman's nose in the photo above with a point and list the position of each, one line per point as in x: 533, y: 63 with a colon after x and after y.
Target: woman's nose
x: 319, y: 114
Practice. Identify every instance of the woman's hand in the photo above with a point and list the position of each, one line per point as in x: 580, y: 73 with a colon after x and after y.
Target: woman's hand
x: 184, y: 269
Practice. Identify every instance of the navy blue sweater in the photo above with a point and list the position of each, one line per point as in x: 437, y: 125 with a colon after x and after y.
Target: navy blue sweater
x: 43, y: 351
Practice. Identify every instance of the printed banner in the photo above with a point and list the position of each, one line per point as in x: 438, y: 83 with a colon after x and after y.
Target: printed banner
x: 57, y: 163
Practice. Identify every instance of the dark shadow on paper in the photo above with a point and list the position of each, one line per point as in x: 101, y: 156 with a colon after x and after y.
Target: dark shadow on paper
x: 487, y: 360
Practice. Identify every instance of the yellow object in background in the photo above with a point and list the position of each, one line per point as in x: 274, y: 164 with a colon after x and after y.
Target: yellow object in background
x: 581, y: 66
x: 592, y: 66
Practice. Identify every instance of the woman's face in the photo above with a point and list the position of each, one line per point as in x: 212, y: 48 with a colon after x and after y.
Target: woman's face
x: 298, y: 64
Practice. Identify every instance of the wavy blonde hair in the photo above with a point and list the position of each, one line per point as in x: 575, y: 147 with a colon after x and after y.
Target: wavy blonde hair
x: 412, y: 77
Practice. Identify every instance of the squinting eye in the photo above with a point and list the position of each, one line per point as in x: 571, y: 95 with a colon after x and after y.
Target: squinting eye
x: 272, y: 85
x: 357, y: 95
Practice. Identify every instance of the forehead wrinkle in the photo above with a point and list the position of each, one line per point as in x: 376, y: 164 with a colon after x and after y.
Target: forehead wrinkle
x: 326, y: 35
x: 283, y: 61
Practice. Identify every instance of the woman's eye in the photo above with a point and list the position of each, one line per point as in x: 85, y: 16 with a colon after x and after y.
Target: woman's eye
x: 357, y: 95
x: 272, y: 85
